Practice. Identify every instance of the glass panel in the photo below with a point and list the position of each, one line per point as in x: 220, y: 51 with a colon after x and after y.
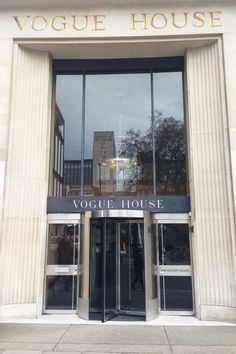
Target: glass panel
x: 174, y: 246
x: 81, y: 261
x: 178, y: 293
x: 118, y: 134
x: 62, y: 250
x: 118, y: 146
x: 61, y: 292
x: 174, y: 249
x: 110, y: 288
x: 125, y: 266
x: 96, y: 272
x: 137, y: 299
x: 154, y: 244
x: 154, y: 260
x: 169, y: 134
x: 68, y: 132
x: 62, y: 244
x: 162, y: 293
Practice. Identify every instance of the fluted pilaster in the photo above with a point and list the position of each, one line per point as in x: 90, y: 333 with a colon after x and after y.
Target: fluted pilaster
x: 210, y: 180
x: 6, y: 46
x: 24, y: 217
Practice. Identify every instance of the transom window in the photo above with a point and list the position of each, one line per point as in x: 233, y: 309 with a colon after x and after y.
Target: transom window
x: 119, y: 128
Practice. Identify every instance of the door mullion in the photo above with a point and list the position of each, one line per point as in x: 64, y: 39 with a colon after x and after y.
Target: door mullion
x: 118, y: 267
x: 158, y: 265
x: 73, y: 277
x: 129, y: 259
x: 163, y: 263
x: 104, y: 271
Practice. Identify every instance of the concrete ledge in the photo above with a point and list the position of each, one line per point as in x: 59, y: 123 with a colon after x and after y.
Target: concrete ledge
x: 16, y: 311
x: 218, y: 313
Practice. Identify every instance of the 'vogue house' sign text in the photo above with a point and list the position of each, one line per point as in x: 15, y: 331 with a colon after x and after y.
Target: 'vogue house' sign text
x: 135, y: 21
x: 161, y: 204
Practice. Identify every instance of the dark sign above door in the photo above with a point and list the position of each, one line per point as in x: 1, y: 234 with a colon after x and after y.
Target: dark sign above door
x: 160, y: 204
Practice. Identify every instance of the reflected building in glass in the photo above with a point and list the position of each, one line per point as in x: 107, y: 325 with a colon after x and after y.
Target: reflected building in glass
x: 133, y: 148
x: 104, y: 152
x: 72, y: 177
x: 58, y: 166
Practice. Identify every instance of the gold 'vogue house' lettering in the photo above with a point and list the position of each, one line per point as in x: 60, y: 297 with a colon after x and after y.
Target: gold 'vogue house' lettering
x: 179, y: 24
x: 159, y: 20
x: 75, y: 23
x: 139, y: 21
x: 39, y: 23
x: 60, y: 23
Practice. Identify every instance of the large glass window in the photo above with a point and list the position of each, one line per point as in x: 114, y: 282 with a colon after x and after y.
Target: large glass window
x: 169, y: 133
x: 69, y: 108
x: 119, y: 134
x: 117, y: 113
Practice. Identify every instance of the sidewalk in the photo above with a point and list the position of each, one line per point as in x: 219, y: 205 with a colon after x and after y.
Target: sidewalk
x: 32, y: 338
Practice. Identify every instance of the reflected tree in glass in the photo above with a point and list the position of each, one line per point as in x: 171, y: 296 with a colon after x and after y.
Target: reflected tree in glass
x: 170, y: 155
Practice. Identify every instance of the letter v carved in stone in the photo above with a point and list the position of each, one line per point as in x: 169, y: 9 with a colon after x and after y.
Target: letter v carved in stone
x: 21, y: 24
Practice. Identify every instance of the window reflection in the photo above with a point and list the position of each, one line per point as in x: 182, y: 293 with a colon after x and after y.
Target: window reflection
x: 174, y: 245
x: 114, y: 104
x: 58, y: 153
x: 169, y: 132
x: 69, y: 108
x: 118, y: 154
x: 63, y: 243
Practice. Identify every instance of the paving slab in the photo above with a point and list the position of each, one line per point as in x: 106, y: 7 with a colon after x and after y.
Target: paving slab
x: 55, y: 352
x: 200, y: 336
x: 95, y: 334
x: 203, y: 349
x: 207, y: 352
x: 116, y: 339
x: 27, y: 346
x: 32, y: 333
x: 21, y: 352
x: 155, y: 351
x: 109, y: 348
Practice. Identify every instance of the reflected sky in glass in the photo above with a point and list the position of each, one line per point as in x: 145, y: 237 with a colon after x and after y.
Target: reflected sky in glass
x: 69, y: 101
x: 118, y: 147
x: 168, y: 94
x: 115, y: 102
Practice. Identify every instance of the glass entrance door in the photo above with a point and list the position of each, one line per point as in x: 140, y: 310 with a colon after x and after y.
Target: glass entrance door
x: 175, y: 270
x: 62, y: 265
x: 117, y: 281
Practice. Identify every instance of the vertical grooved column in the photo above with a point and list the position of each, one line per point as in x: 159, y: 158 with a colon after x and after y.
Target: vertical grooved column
x: 210, y: 181
x: 24, y: 216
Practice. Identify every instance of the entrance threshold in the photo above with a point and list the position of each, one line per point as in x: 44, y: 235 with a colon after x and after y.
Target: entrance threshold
x: 120, y: 317
x: 162, y: 320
